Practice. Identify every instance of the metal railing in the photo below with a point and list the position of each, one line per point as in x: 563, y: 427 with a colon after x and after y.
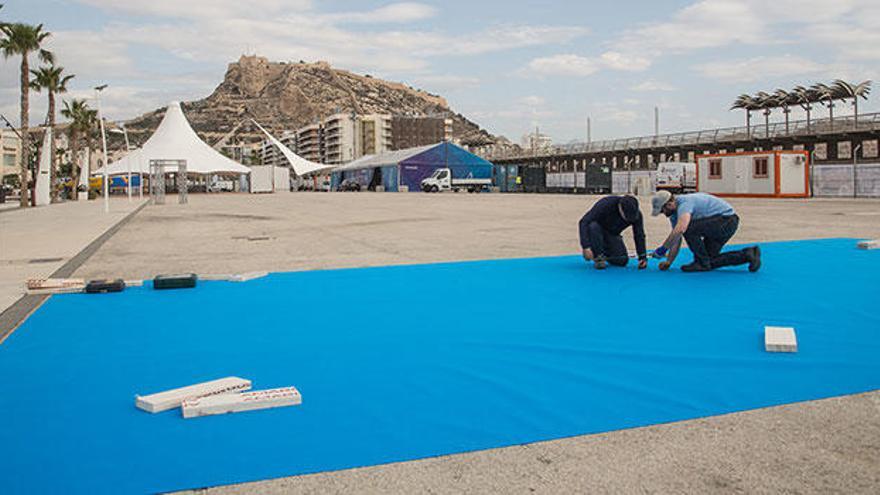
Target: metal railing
x: 869, y: 122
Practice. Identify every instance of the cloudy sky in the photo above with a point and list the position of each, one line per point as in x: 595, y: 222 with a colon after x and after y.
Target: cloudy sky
x: 510, y: 66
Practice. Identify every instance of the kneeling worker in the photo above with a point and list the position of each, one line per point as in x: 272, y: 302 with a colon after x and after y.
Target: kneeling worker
x: 706, y: 222
x: 600, y: 230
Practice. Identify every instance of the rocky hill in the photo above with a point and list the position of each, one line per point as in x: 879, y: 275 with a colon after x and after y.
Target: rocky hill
x: 283, y: 95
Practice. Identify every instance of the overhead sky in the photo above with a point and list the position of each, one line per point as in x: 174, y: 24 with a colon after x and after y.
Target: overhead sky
x: 510, y: 66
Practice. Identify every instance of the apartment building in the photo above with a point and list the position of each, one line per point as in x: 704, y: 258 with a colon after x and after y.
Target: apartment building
x: 412, y: 131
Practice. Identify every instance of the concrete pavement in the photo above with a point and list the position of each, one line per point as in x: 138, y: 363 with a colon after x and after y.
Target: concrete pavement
x: 35, y: 242
x: 815, y: 447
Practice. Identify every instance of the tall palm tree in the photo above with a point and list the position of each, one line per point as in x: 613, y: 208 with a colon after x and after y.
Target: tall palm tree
x: 747, y: 103
x: 854, y: 91
x: 766, y: 102
x: 784, y: 99
x: 82, y: 122
x: 23, y: 39
x: 53, y: 80
x: 828, y: 95
x: 804, y: 97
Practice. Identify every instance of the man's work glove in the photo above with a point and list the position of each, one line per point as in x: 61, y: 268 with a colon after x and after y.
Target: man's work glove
x: 660, y: 252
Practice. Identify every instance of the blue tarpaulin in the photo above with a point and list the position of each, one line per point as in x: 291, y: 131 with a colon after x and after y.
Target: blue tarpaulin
x: 574, y: 351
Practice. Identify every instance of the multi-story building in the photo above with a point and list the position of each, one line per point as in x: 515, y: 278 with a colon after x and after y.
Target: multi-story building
x: 536, y: 142
x: 245, y: 153
x: 411, y: 131
x: 375, y: 134
x: 10, y: 152
x: 344, y: 137
x: 310, y: 143
x: 341, y: 138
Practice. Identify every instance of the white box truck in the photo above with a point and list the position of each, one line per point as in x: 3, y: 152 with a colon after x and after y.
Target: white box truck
x: 442, y: 180
x: 677, y: 177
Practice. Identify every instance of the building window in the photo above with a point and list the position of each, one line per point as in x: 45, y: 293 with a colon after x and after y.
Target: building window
x: 844, y: 150
x: 869, y: 148
x: 760, y: 168
x: 820, y: 151
x: 714, y: 169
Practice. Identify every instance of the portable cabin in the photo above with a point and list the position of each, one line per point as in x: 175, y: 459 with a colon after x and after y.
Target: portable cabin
x: 759, y: 174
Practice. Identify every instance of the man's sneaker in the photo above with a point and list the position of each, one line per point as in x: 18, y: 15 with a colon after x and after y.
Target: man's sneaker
x: 754, y: 256
x: 695, y: 267
x: 600, y: 262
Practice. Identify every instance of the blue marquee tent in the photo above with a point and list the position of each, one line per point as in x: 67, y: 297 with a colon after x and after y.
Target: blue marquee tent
x: 408, y: 167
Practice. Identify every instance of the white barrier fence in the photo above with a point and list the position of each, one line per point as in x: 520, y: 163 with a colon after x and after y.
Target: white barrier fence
x: 839, y: 181
x: 829, y: 181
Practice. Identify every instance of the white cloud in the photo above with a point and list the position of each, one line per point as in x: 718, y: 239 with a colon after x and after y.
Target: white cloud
x: 394, y: 13
x: 759, y: 68
x: 446, y: 82
x: 562, y: 65
x: 533, y: 101
x: 624, y: 62
x: 652, y: 86
x: 199, y: 9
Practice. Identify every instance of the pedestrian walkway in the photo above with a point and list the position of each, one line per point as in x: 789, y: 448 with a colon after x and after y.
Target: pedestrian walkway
x: 35, y: 242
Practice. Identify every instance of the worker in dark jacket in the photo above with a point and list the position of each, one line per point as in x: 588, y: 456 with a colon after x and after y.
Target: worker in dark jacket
x: 600, y: 230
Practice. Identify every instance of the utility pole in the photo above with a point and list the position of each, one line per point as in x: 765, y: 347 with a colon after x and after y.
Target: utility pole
x: 656, y: 122
x: 589, y: 132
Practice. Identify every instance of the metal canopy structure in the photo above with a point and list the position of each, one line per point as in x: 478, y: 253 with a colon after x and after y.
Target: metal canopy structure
x: 158, y: 169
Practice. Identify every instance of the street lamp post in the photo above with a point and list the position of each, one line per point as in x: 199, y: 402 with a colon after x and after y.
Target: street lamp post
x: 124, y: 133
x: 98, y: 90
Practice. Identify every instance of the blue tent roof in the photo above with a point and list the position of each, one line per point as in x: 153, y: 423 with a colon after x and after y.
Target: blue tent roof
x: 433, y: 154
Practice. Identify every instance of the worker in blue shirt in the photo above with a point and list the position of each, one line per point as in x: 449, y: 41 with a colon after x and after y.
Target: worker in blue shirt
x: 706, y: 222
x: 600, y: 230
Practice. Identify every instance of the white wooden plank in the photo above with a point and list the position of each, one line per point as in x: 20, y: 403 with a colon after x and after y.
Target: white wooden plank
x: 55, y: 283
x: 170, y: 399
x: 244, y: 277
x: 875, y: 244
x: 246, y: 401
x: 780, y: 339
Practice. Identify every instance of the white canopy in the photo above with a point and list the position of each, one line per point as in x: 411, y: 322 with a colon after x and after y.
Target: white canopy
x: 174, y: 139
x: 300, y: 165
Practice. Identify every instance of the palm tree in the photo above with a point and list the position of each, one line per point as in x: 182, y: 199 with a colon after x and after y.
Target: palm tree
x: 784, y: 99
x: 51, y: 79
x: 854, y: 91
x: 826, y: 93
x: 22, y: 39
x: 804, y: 97
x: 766, y: 102
x: 747, y: 103
x: 82, y: 122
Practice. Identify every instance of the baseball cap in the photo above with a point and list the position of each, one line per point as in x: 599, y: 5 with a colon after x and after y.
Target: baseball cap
x: 659, y: 199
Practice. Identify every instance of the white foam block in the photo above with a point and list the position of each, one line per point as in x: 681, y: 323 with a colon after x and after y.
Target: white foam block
x: 780, y: 339
x: 875, y: 244
x: 170, y: 399
x: 216, y: 276
x: 246, y: 401
x: 134, y: 283
x: 244, y: 277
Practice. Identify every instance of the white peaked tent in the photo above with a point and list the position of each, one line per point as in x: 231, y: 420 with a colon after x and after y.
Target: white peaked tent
x: 174, y: 139
x: 43, y: 187
x: 300, y: 165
